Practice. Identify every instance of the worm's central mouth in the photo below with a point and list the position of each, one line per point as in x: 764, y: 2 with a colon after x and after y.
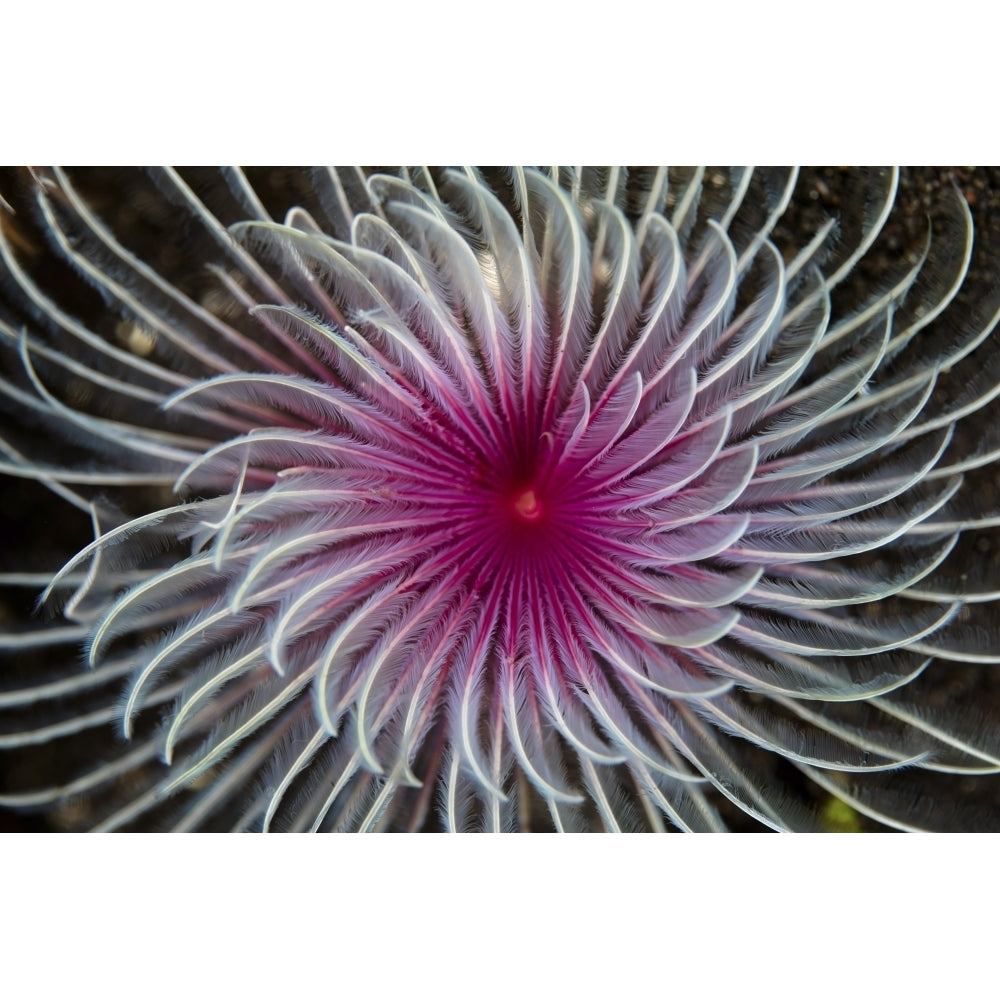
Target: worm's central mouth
x: 526, y: 506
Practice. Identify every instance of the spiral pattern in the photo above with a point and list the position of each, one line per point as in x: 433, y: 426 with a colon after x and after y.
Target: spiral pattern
x: 499, y: 500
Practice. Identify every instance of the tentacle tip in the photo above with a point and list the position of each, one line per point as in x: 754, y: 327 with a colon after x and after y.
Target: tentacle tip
x: 409, y: 779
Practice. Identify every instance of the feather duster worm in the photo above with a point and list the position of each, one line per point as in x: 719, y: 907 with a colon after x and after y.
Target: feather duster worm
x: 571, y: 499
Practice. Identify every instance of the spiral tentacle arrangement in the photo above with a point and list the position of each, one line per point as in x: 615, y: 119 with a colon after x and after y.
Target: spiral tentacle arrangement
x: 523, y: 499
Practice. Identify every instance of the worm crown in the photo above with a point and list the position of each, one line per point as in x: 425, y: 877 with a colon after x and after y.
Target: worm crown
x: 522, y: 499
